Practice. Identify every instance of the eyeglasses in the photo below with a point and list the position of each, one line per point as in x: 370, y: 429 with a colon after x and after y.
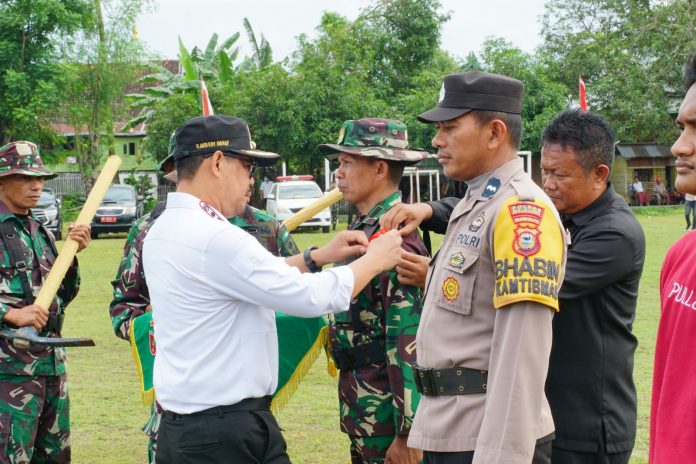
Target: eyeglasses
x: 244, y: 159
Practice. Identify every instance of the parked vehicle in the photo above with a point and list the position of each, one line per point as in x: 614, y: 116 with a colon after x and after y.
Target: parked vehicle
x: 118, y: 210
x: 292, y: 193
x: 47, y: 212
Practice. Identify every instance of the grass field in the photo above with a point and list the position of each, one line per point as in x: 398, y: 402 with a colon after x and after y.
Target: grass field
x: 107, y: 413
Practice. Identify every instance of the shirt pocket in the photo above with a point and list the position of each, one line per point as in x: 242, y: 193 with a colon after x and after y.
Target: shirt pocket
x: 456, y: 281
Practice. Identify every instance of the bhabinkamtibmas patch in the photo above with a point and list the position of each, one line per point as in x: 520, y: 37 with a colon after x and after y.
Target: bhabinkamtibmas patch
x: 528, y: 252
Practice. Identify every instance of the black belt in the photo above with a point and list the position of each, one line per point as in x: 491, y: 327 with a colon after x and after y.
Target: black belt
x: 361, y: 355
x: 249, y: 404
x: 449, y: 381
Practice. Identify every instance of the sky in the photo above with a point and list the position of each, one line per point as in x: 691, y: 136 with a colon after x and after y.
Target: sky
x: 281, y: 21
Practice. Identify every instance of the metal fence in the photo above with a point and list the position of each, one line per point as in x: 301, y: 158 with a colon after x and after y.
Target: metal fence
x: 65, y: 183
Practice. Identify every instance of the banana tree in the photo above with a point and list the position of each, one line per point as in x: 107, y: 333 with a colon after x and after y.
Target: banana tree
x: 215, y: 64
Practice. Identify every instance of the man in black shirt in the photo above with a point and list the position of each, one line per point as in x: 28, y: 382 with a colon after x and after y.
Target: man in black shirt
x: 590, y: 382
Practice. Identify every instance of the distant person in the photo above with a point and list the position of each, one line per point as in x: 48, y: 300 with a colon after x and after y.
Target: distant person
x: 639, y: 191
x: 661, y: 194
x: 266, y: 186
x: 690, y: 210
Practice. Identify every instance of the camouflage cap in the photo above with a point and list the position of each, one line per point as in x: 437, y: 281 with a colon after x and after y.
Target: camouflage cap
x: 22, y: 158
x: 377, y: 138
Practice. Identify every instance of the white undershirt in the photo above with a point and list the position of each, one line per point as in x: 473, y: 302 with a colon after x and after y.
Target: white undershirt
x: 212, y: 287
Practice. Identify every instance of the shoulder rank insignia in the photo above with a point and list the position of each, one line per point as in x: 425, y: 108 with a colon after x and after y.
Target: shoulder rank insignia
x: 527, y: 218
x: 450, y: 289
x: 491, y: 187
x: 456, y: 260
x: 477, y: 222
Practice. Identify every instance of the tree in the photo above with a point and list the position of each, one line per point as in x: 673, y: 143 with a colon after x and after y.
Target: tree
x: 30, y: 79
x: 105, y: 60
x: 543, y: 97
x: 630, y: 54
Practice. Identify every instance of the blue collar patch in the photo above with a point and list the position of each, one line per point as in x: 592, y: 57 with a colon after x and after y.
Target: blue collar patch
x: 491, y: 187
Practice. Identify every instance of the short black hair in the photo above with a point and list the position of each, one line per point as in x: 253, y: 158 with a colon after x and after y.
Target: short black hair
x: 690, y: 72
x: 590, y: 136
x: 512, y: 121
x: 187, y: 167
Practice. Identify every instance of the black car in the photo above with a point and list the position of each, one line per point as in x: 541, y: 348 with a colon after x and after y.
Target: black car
x: 118, y: 210
x: 47, y: 212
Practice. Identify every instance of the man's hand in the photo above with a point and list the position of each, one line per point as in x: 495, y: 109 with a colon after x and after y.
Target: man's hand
x: 32, y: 315
x: 387, y: 247
x: 410, y: 216
x: 345, y: 244
x: 400, y: 453
x: 412, y: 269
x: 81, y: 234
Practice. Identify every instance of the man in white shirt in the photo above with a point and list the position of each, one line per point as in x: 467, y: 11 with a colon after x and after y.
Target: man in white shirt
x: 637, y: 187
x: 212, y: 286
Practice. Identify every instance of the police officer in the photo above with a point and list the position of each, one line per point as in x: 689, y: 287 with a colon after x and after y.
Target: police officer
x: 372, y: 343
x: 131, y: 297
x: 211, y: 286
x: 34, y: 409
x: 485, y: 335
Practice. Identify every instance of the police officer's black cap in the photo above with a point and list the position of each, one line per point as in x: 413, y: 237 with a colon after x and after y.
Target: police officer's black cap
x: 207, y: 134
x: 475, y: 90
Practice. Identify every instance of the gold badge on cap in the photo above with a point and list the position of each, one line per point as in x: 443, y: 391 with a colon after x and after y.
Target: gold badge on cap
x: 341, y: 134
x: 450, y: 289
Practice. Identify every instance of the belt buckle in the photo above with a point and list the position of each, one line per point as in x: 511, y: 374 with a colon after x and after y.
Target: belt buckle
x: 424, y: 378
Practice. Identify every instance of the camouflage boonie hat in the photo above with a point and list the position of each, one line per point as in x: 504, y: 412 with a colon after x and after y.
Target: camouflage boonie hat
x: 22, y: 158
x: 377, y: 138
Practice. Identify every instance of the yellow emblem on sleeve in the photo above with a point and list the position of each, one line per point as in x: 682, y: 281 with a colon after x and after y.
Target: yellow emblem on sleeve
x: 450, y: 289
x: 528, y: 250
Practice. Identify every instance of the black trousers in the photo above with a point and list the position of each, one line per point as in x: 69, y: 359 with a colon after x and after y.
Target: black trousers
x: 542, y: 455
x: 244, y: 433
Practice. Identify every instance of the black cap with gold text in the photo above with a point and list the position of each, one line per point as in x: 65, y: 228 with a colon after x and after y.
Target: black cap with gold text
x: 206, y: 134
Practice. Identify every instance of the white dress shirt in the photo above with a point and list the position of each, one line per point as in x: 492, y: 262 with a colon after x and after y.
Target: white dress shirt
x: 212, y: 287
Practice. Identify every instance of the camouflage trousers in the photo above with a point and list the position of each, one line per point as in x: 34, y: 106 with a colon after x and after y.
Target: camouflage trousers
x: 151, y: 429
x: 369, y: 450
x: 34, y: 419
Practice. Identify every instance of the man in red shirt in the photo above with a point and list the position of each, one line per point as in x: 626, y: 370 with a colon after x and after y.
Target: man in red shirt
x: 672, y: 425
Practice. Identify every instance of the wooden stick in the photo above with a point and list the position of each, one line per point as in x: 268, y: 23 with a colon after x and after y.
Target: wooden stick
x: 65, y: 258
x: 311, y: 209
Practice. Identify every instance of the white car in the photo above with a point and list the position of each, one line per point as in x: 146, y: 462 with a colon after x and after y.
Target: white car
x: 289, y: 196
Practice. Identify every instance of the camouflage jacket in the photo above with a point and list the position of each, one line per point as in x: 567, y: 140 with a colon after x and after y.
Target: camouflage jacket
x: 40, y: 252
x: 380, y: 399
x: 130, y: 294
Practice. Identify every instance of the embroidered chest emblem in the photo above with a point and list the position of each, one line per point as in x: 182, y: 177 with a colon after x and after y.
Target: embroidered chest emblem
x: 450, y: 289
x: 477, y: 222
x: 456, y: 260
x: 527, y: 218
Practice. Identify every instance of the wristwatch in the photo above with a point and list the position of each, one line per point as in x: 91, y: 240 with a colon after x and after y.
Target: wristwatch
x: 309, y: 262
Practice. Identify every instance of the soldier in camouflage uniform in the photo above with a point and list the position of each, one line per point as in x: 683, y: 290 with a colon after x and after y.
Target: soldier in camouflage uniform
x: 34, y: 408
x: 373, y: 344
x: 131, y: 297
